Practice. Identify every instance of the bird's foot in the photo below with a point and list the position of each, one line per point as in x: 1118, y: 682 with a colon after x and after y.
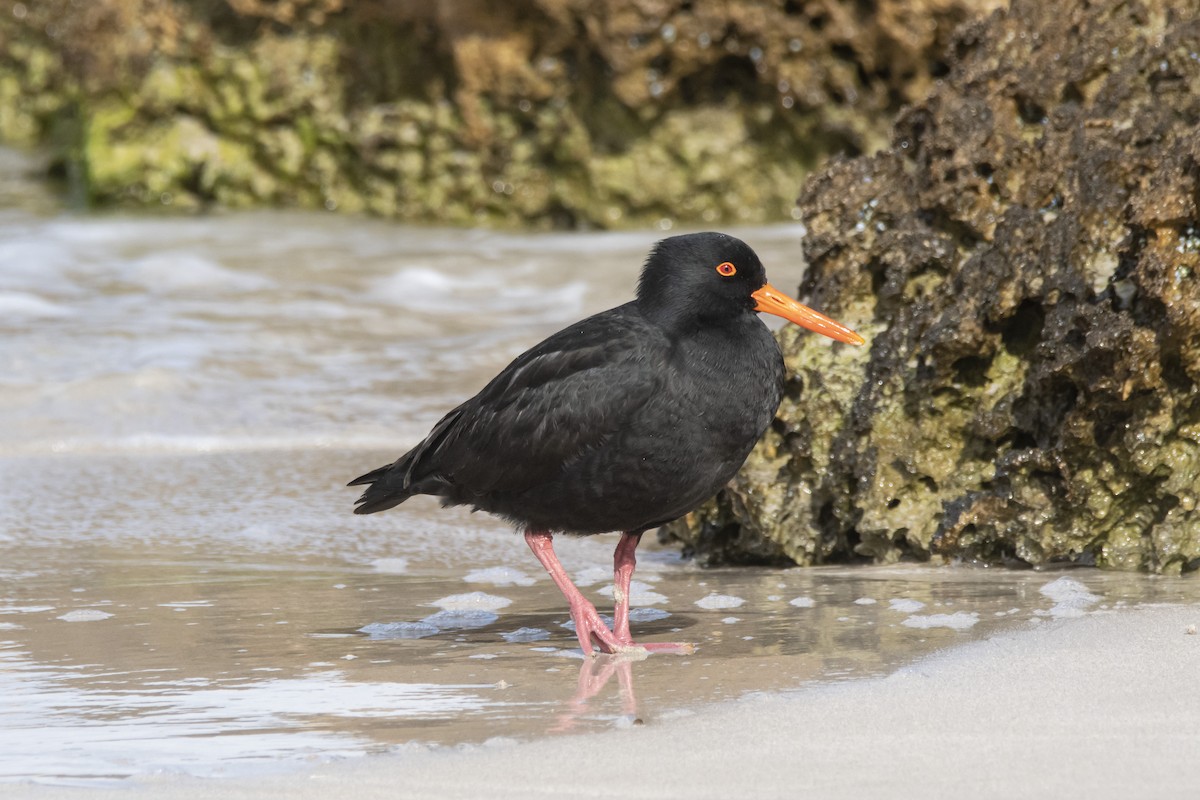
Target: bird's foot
x: 590, y: 627
x: 625, y: 639
x: 670, y: 648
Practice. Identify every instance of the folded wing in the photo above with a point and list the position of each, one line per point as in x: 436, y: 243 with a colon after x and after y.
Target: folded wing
x: 548, y: 408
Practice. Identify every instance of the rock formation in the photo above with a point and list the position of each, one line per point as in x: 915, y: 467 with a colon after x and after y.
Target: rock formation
x: 567, y: 113
x: 1025, y: 263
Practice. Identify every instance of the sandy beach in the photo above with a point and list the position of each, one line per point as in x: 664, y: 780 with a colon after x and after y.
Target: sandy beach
x: 1104, y: 705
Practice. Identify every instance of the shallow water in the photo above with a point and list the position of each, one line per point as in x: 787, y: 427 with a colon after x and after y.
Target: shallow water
x: 183, y: 588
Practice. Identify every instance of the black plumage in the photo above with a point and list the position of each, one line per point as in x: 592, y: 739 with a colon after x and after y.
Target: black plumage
x: 623, y: 421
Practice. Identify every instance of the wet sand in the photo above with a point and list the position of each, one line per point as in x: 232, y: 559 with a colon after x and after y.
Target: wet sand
x: 1100, y: 706
x: 259, y: 636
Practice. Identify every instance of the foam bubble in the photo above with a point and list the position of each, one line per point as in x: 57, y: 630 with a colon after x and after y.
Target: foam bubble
x: 715, y: 601
x: 499, y: 576
x: 85, y: 615
x: 526, y: 635
x: 640, y: 594
x: 905, y: 605
x: 391, y: 566
x: 474, y: 618
x: 472, y: 601
x: 1071, y: 598
x: 592, y: 576
x: 802, y: 602
x: 399, y: 630
x: 959, y: 620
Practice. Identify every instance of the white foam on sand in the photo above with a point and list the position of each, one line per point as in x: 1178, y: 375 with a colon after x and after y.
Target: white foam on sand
x: 472, y: 601
x: 461, y: 618
x: 590, y: 576
x: 458, y: 612
x: 905, y: 605
x: 85, y: 615
x: 715, y: 601
x: 25, y: 609
x: 390, y: 566
x: 1021, y: 714
x: 399, y: 630
x: 1071, y: 598
x: 526, y: 635
x: 640, y: 594
x: 499, y: 576
x: 959, y: 620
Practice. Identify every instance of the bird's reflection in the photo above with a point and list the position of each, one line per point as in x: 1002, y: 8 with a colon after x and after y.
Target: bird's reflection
x: 594, y: 675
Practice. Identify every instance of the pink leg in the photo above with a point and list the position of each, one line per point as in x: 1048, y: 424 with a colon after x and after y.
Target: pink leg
x: 588, y: 624
x: 624, y: 562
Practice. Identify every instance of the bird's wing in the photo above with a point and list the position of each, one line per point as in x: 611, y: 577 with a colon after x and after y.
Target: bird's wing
x: 552, y: 405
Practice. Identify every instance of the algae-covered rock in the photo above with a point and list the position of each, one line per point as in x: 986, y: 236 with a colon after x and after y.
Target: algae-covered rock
x: 551, y: 112
x: 1025, y: 264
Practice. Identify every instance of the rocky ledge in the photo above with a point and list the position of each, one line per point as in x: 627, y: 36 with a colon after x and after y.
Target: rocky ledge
x: 560, y: 113
x: 1025, y: 263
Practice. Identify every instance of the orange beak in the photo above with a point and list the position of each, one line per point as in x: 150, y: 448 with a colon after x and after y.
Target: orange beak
x: 770, y: 300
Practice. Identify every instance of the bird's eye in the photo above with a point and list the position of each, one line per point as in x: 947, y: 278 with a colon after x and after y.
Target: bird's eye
x: 726, y: 269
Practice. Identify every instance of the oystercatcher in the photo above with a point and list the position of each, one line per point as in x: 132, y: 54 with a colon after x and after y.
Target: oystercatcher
x: 623, y: 421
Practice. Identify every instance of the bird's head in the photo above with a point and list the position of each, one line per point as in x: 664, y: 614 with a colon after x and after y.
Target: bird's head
x: 713, y: 276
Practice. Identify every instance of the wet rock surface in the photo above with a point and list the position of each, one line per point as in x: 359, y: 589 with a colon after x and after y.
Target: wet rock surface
x: 1023, y: 261
x: 550, y: 112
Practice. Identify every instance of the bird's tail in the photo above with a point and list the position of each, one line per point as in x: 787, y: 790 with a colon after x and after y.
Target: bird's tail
x: 392, y: 485
x: 387, y: 487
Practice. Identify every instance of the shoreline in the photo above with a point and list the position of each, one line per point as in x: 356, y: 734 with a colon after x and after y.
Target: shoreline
x: 1103, y: 705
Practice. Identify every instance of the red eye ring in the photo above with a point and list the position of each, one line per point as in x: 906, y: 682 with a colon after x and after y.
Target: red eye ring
x: 726, y: 269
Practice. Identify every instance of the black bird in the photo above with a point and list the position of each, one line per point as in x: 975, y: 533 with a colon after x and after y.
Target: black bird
x: 623, y: 421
